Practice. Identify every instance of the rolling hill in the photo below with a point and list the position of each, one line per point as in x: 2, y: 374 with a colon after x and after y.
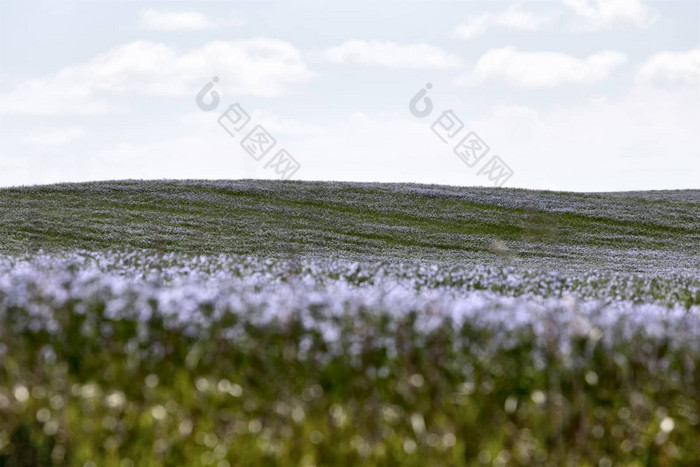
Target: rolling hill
x: 631, y: 231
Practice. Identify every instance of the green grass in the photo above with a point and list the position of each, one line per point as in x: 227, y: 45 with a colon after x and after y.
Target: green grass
x: 416, y: 222
x: 122, y: 345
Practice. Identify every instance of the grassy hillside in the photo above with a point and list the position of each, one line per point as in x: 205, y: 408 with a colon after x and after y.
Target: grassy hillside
x: 347, y: 324
x: 634, y: 231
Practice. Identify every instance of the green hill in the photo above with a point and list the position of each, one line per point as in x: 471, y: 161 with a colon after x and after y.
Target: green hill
x: 633, y: 231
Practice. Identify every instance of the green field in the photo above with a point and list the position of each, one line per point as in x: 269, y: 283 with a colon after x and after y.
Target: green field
x: 641, y: 231
x: 314, y: 323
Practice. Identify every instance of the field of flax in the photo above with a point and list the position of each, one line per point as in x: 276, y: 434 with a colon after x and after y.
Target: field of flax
x: 298, y: 323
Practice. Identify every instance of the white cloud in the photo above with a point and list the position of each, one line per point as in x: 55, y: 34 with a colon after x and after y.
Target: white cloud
x: 163, y: 20
x: 513, y: 17
x: 599, y: 14
x: 356, y: 147
x: 645, y: 139
x: 279, y: 126
x: 540, y: 69
x: 54, y: 138
x: 392, y: 55
x: 51, y: 96
x: 671, y: 69
x: 261, y: 67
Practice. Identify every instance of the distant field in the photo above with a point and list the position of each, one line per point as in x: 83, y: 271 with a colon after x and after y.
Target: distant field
x: 297, y: 323
x: 648, y: 231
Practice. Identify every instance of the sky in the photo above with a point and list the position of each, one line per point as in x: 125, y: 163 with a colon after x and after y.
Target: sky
x: 572, y: 95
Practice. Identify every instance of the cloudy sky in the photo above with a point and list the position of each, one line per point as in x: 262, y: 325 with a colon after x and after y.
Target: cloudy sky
x: 577, y: 95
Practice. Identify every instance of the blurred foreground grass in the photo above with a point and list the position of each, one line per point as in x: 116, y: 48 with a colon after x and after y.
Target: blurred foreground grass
x: 70, y: 398
x: 98, y: 371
